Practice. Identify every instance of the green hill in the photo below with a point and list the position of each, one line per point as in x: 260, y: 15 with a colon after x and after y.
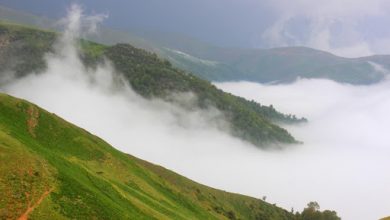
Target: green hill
x: 149, y: 76
x: 51, y: 169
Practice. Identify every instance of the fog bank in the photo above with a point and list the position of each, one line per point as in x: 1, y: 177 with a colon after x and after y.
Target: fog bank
x: 343, y: 163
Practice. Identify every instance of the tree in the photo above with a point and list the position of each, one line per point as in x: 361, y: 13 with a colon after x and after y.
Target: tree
x: 312, y: 212
x: 313, y: 206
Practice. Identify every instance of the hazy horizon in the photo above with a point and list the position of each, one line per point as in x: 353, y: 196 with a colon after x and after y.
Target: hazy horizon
x: 343, y: 27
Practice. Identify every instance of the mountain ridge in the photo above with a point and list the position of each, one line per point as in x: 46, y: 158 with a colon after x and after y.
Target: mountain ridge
x: 149, y: 76
x: 234, y: 64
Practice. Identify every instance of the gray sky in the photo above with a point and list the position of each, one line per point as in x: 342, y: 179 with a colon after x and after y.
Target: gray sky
x: 346, y: 27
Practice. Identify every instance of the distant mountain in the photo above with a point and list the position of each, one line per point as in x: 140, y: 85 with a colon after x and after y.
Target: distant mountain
x: 150, y: 77
x: 51, y: 169
x: 25, y: 18
x: 278, y: 65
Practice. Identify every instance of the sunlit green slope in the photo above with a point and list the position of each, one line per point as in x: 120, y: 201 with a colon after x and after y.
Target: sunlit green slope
x: 51, y: 169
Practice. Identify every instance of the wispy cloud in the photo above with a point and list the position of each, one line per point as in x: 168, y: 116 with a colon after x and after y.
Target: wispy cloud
x: 337, y: 26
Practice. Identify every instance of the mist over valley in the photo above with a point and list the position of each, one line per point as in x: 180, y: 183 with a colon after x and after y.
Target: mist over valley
x: 284, y: 128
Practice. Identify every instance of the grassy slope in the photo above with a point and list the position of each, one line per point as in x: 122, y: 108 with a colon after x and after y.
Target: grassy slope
x: 85, y: 178
x: 149, y: 76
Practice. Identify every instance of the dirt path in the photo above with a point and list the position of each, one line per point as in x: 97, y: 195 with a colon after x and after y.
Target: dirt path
x: 32, y: 122
x: 30, y: 208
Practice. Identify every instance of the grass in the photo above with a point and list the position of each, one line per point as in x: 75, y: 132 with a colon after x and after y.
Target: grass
x: 92, y: 180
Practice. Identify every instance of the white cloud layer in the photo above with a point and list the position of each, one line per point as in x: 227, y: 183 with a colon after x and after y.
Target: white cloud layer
x: 343, y: 163
x: 338, y: 26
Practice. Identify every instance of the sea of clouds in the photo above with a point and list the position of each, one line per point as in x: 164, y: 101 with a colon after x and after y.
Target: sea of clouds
x: 342, y: 163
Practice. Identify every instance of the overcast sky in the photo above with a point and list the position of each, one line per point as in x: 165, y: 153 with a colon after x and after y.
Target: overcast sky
x: 345, y: 27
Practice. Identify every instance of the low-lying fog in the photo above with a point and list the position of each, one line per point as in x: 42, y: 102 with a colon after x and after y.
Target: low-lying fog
x: 342, y: 165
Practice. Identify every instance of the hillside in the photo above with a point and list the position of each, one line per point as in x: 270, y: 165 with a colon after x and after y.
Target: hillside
x: 51, y: 169
x: 149, y: 76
